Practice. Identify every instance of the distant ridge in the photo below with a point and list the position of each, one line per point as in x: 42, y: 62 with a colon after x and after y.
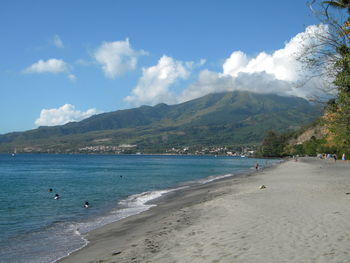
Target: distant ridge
x: 216, y: 119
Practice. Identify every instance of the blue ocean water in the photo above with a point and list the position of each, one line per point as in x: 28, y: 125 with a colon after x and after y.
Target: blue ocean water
x: 36, y: 228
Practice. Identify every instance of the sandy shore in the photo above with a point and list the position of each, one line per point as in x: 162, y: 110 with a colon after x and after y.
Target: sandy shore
x: 303, y: 215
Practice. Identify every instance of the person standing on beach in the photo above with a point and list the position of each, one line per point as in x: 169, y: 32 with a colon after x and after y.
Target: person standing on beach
x: 335, y: 157
x: 343, y: 157
x: 257, y: 166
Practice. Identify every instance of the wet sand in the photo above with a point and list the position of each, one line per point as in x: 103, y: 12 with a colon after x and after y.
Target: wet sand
x: 303, y: 215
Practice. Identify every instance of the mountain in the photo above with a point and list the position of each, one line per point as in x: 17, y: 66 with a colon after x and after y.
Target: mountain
x: 228, y: 118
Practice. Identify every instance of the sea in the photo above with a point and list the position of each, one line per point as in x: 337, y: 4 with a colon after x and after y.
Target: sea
x: 34, y: 227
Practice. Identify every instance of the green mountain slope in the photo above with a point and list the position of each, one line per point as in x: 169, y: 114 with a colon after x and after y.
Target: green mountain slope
x: 215, y: 119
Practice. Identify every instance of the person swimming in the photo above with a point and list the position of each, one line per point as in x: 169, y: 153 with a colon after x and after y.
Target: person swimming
x: 86, y: 205
x: 57, y: 196
x: 50, y: 190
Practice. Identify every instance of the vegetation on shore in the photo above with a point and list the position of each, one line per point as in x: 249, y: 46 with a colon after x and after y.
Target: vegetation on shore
x: 333, y: 50
x: 309, y: 140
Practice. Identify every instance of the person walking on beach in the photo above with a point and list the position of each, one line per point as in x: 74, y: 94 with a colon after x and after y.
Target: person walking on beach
x: 335, y: 157
x: 343, y: 157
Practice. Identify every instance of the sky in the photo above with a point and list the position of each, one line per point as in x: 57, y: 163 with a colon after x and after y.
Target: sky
x: 63, y: 60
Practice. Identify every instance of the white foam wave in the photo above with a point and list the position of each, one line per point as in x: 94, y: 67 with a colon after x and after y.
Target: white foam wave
x: 139, y: 200
x: 76, y: 233
x: 132, y: 205
x: 214, y: 178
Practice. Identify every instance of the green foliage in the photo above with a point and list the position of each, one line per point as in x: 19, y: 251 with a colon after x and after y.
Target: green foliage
x: 313, y: 147
x: 338, y: 121
x: 285, y: 144
x: 338, y: 110
x: 342, y: 80
x: 339, y: 4
x: 275, y: 145
x: 272, y: 145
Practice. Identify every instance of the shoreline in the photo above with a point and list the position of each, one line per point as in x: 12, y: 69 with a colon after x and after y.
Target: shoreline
x: 302, y: 215
x: 175, y: 199
x: 113, y: 201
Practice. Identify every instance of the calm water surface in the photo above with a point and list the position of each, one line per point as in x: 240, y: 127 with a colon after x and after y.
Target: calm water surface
x: 36, y: 228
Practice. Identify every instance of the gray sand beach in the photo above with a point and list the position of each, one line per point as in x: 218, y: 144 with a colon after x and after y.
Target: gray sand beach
x: 303, y: 215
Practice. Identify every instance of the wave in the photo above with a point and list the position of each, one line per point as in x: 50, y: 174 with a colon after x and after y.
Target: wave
x: 132, y: 205
x: 215, y: 178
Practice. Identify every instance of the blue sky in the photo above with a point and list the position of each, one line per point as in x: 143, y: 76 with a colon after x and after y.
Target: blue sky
x: 65, y: 60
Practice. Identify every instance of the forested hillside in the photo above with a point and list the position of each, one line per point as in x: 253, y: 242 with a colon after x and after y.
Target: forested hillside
x: 231, y: 118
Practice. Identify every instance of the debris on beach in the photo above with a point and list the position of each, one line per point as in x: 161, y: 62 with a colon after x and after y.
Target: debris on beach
x: 262, y: 187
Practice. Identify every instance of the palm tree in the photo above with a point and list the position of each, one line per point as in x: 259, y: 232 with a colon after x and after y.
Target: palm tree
x: 340, y: 4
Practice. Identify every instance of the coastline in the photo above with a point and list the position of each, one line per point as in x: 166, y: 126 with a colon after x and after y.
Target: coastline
x: 116, y: 187
x: 173, y: 200
x: 299, y: 216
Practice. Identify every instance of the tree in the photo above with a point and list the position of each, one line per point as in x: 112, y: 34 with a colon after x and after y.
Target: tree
x: 331, y: 52
x: 272, y: 145
x: 331, y: 39
x: 341, y: 4
x: 338, y: 121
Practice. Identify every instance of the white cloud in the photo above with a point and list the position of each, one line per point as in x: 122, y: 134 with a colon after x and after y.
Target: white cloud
x: 117, y: 57
x: 213, y: 82
x: 278, y: 72
x: 282, y: 64
x: 234, y: 63
x: 57, y: 41
x: 153, y: 86
x: 208, y: 82
x: 50, y: 66
x: 62, y: 115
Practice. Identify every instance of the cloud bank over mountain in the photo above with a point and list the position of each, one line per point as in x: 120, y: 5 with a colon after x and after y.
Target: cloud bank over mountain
x: 154, y: 84
x: 278, y: 72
